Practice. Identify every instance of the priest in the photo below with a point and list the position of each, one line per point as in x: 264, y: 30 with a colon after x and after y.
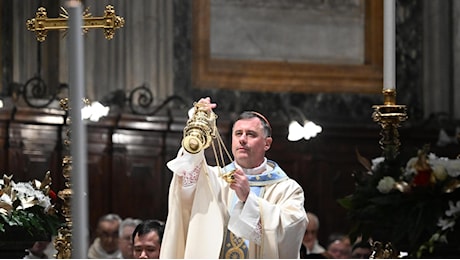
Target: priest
x: 256, y: 212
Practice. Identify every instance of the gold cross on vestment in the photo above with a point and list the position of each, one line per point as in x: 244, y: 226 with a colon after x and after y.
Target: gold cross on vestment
x: 41, y: 23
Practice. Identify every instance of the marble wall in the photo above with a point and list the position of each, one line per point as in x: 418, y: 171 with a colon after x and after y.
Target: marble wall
x: 326, y: 108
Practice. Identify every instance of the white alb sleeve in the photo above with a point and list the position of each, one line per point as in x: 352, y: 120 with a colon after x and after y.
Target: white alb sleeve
x: 245, y: 219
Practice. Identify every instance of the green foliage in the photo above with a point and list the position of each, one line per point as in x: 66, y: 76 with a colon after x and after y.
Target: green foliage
x: 32, y: 220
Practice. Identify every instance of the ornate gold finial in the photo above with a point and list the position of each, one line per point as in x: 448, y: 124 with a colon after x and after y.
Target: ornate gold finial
x: 381, y: 251
x: 41, y: 23
x: 389, y: 116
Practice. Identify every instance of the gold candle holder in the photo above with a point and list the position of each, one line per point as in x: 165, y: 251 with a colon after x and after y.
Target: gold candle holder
x: 63, y: 240
x: 389, y: 116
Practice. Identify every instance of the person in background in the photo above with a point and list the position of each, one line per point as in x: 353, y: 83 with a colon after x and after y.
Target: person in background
x: 39, y: 250
x: 361, y: 250
x: 125, y: 240
x: 310, y: 245
x: 257, y: 212
x: 106, y: 243
x: 339, y: 246
x: 147, y: 238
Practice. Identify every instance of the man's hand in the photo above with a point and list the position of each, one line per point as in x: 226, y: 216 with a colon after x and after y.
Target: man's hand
x: 207, y: 101
x: 240, y: 185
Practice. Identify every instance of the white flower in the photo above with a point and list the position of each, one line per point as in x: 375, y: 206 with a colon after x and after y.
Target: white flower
x: 376, y: 161
x: 5, y: 204
x: 44, y: 201
x: 452, y: 166
x: 27, y: 195
x: 446, y: 223
x: 410, y: 170
x: 432, y: 156
x: 452, y: 213
x: 453, y: 209
x: 386, y: 184
x: 5, y: 199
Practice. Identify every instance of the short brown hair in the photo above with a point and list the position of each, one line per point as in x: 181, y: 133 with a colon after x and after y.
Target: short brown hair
x: 251, y: 114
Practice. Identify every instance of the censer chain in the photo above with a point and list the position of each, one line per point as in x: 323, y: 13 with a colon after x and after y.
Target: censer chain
x: 219, y: 157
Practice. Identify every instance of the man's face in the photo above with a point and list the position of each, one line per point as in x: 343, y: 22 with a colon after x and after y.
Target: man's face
x: 108, y: 233
x: 339, y: 249
x: 39, y: 247
x: 125, y: 244
x: 310, y: 235
x: 249, y: 143
x: 147, y: 246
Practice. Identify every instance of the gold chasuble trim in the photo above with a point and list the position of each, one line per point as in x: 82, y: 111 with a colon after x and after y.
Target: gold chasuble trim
x: 235, y: 248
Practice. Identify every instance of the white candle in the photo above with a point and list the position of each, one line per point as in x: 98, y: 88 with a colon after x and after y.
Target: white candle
x: 79, y: 201
x: 389, y: 53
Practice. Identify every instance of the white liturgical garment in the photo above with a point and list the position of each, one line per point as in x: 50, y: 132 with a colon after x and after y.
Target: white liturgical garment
x: 202, y: 207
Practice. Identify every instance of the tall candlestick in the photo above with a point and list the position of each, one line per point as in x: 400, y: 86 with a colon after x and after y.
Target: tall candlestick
x: 389, y: 53
x: 79, y: 201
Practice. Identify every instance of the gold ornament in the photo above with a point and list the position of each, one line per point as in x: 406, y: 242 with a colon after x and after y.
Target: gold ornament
x: 200, y: 133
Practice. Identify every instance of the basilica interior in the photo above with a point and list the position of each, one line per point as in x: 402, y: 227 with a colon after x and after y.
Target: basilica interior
x: 304, y: 61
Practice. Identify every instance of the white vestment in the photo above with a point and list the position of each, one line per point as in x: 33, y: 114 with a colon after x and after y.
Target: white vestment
x: 273, y: 222
x: 317, y: 249
x: 96, y: 251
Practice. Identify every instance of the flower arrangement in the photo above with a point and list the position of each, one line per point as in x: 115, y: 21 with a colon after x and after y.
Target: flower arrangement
x: 414, y: 203
x: 28, y: 206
